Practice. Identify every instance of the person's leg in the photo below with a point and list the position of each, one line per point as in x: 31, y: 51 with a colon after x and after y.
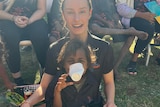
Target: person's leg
x: 158, y: 59
x: 140, y: 24
x: 131, y: 32
x: 38, y: 33
x: 123, y: 52
x: 11, y: 37
x: 96, y: 29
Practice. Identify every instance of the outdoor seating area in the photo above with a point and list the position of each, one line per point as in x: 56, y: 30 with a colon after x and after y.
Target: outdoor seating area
x: 131, y: 91
x: 77, y: 53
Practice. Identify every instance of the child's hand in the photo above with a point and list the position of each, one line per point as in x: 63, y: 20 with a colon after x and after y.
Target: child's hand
x: 61, y: 84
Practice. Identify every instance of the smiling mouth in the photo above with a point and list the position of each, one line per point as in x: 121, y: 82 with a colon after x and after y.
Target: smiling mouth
x: 77, y: 26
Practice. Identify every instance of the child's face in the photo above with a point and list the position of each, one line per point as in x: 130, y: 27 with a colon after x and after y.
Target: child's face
x: 79, y: 57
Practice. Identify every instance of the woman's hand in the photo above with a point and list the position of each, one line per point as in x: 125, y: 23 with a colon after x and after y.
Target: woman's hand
x: 25, y: 104
x: 109, y: 105
x: 149, y: 16
x: 21, y: 21
x: 61, y: 84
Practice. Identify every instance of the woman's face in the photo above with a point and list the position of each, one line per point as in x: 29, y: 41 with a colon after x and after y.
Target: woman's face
x: 79, y: 57
x: 77, y: 14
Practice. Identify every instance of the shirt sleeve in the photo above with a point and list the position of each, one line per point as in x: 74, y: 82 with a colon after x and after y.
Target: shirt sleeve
x: 51, y: 62
x: 125, y: 11
x: 108, y: 59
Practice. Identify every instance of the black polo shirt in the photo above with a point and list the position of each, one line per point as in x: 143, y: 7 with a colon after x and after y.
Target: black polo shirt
x: 88, y: 93
x: 103, y: 51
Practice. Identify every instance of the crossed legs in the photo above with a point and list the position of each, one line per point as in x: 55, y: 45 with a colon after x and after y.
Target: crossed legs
x: 130, y: 34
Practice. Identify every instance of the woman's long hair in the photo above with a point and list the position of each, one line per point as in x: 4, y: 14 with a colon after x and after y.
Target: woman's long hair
x: 2, y: 49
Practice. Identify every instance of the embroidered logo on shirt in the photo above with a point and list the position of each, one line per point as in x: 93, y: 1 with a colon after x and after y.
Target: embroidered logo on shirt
x: 95, y: 65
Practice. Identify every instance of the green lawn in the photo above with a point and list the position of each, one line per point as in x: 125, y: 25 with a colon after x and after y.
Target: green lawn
x: 142, y: 90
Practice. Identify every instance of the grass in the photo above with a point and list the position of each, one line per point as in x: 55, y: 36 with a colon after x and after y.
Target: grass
x: 142, y: 90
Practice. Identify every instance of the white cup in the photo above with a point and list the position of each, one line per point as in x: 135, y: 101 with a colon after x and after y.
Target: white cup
x: 76, y: 71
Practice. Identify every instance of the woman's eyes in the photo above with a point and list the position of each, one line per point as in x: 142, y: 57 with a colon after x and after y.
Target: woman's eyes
x: 71, y: 12
x: 83, y: 11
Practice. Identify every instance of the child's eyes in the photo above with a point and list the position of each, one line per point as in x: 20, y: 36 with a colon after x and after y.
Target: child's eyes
x: 70, y: 61
x: 82, y: 61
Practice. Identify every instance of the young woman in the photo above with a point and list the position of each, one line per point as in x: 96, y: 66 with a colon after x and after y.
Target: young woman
x: 76, y: 14
x: 24, y: 20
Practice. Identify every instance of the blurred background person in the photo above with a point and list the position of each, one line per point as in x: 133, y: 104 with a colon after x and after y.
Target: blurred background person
x: 24, y: 21
x: 135, y: 14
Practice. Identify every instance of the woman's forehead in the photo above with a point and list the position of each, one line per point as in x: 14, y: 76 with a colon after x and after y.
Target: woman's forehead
x: 76, y: 3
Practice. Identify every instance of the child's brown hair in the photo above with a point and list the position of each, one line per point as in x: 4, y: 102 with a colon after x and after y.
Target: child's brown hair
x: 71, y: 47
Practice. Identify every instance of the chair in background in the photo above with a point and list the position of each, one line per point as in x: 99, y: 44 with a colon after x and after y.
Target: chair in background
x: 29, y: 43
x: 149, y: 47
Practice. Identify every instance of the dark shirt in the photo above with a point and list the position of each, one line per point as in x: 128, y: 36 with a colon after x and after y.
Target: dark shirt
x: 22, y: 8
x: 87, y: 95
x: 103, y: 51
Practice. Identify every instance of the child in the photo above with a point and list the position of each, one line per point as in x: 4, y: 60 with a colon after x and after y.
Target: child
x: 67, y: 93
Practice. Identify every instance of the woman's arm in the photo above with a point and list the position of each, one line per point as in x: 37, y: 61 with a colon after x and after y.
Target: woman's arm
x: 4, y: 15
x: 146, y: 15
x: 20, y: 21
x: 39, y: 94
x: 39, y: 13
x: 109, y: 89
x: 128, y: 12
